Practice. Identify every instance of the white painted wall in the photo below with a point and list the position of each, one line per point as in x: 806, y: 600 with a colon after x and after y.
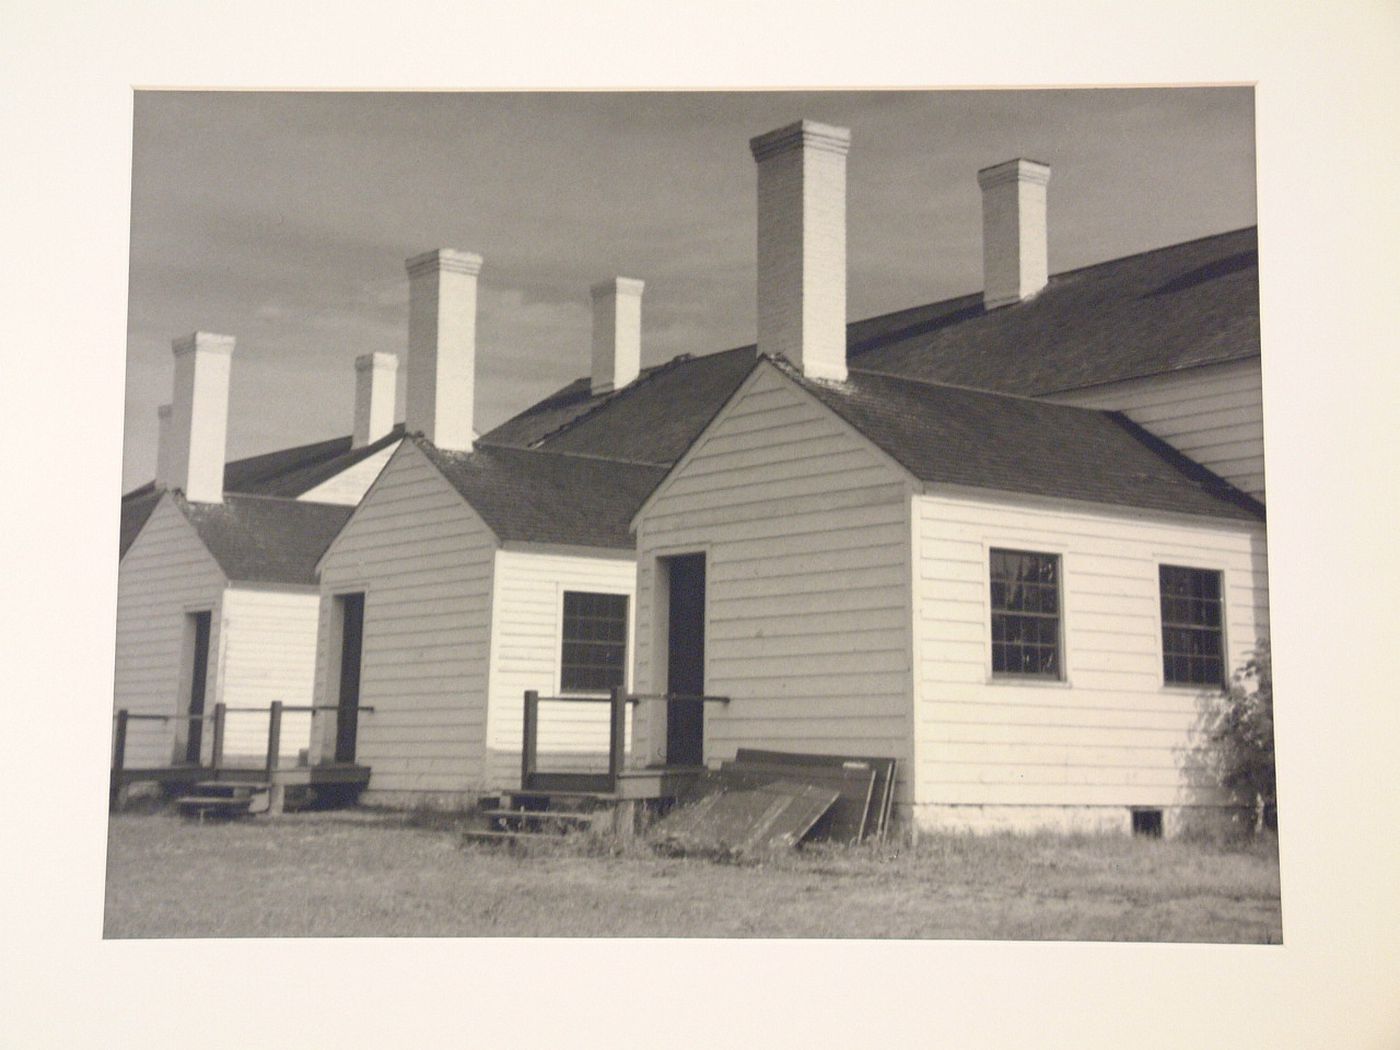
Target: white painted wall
x: 1075, y: 753
x: 269, y: 653
x: 1212, y: 414
x: 806, y: 529
x: 424, y: 560
x: 349, y: 486
x: 526, y: 647
x: 166, y: 574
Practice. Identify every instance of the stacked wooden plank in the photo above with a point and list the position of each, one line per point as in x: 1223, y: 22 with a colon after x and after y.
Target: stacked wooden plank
x: 775, y: 799
x: 865, y: 786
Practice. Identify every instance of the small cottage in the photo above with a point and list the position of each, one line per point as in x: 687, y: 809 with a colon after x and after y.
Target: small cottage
x: 217, y: 595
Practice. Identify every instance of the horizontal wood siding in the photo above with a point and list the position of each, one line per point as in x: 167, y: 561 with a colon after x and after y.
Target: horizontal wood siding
x: 269, y: 653
x: 424, y: 560
x: 806, y: 530
x: 1112, y: 734
x: 526, y: 651
x: 349, y: 486
x: 167, y: 573
x: 1213, y: 414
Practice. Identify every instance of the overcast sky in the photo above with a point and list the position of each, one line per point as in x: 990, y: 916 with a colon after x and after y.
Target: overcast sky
x: 284, y: 218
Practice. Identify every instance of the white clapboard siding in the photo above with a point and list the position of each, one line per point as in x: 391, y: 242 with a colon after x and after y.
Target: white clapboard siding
x: 269, y: 653
x: 1213, y: 414
x: 423, y: 559
x: 1112, y: 733
x: 527, y: 638
x: 349, y: 486
x: 805, y: 526
x: 166, y: 574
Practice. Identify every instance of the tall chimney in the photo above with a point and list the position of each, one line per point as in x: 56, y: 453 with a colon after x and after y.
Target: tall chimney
x: 442, y: 346
x: 375, y: 378
x: 199, y: 415
x: 163, y: 450
x: 1014, y: 252
x: 617, y: 333
x: 802, y: 246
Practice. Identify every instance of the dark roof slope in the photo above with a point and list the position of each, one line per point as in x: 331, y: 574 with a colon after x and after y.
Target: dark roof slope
x: 258, y: 539
x: 652, y: 420
x: 1178, y: 307
x: 542, y: 497
x: 286, y: 473
x: 967, y: 437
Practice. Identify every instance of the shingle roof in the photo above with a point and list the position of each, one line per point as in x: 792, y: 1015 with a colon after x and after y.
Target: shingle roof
x: 287, y: 473
x: 543, y: 497
x: 956, y: 436
x: 259, y: 539
x: 652, y: 420
x: 1178, y: 307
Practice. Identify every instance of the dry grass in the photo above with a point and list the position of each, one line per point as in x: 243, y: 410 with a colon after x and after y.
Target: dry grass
x: 376, y: 874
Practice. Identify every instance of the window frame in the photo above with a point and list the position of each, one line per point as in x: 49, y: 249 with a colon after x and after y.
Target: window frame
x: 1060, y: 676
x: 563, y: 639
x: 1163, y: 625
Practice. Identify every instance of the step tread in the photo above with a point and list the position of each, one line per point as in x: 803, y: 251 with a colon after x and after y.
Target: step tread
x: 541, y: 814
x: 213, y: 800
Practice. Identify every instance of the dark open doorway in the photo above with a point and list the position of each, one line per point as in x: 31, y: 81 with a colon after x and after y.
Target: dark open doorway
x: 685, y: 674
x: 199, y: 674
x: 347, y: 722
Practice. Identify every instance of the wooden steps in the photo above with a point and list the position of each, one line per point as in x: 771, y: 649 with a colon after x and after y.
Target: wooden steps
x: 224, y: 799
x: 542, y: 814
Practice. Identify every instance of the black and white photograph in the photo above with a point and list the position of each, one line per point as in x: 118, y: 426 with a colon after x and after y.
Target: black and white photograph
x: 702, y: 501
x: 789, y: 544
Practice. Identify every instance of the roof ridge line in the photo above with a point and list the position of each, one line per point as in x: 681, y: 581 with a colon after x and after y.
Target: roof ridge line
x: 1036, y: 399
x: 977, y: 293
x: 610, y: 397
x: 569, y: 454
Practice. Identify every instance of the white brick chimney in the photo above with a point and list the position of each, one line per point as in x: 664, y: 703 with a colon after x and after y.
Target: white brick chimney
x: 442, y: 346
x: 199, y: 416
x: 802, y: 246
x: 163, y: 450
x: 376, y: 376
x: 1015, y: 262
x: 617, y: 333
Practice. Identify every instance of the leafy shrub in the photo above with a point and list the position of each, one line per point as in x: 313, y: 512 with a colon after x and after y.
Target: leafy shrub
x: 1241, y: 734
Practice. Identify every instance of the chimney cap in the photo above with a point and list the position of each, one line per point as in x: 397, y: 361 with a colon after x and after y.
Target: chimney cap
x: 1019, y: 169
x: 376, y: 359
x: 449, y: 259
x: 204, y: 341
x: 618, y: 286
x: 809, y: 133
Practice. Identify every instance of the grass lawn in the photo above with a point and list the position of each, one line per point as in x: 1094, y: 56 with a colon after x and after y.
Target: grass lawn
x: 359, y: 874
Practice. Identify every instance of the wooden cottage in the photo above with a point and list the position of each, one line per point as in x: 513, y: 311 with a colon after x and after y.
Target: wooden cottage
x: 1008, y: 539
x: 217, y: 596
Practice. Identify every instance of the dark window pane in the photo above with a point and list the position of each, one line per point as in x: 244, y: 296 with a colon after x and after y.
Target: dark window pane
x: 1193, y: 615
x: 594, y: 651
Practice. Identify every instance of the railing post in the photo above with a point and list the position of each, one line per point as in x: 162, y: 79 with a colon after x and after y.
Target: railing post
x: 617, y: 734
x: 217, y: 755
x: 529, y: 738
x: 274, y: 734
x: 118, y: 757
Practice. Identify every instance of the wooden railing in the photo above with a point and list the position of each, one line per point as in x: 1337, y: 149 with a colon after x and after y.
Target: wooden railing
x: 617, y: 701
x: 219, y: 716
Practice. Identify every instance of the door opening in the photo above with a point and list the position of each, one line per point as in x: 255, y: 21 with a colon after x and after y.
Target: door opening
x: 199, y: 674
x: 685, y: 666
x: 347, y: 722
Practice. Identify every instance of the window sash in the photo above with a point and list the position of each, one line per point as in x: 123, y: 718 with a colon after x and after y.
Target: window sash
x: 1193, y: 626
x: 1025, y: 604
x: 593, y: 648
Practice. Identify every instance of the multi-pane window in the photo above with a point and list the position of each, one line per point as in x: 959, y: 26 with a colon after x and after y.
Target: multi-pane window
x: 595, y: 641
x: 1192, y: 632
x: 1025, y: 614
